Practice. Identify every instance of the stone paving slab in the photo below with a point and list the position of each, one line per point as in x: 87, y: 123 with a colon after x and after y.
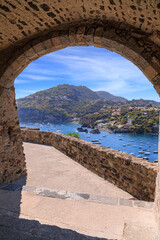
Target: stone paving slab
x: 48, y: 168
x: 61, y: 194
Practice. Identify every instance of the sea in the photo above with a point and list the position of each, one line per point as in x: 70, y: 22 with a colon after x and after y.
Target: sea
x: 125, y: 142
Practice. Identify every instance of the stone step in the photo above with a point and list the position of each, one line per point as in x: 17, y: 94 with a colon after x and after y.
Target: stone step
x: 61, y: 194
x: 48, y: 214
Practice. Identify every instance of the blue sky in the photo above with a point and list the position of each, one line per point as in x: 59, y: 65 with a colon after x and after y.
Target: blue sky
x: 95, y: 68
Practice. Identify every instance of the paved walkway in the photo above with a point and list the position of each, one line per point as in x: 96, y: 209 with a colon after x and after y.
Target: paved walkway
x: 60, y: 199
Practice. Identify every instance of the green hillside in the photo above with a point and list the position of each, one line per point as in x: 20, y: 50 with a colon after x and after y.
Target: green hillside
x: 65, y: 102
x: 58, y: 104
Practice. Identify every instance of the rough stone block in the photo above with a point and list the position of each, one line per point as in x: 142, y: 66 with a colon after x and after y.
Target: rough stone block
x: 39, y: 49
x: 56, y: 41
x: 72, y: 36
x: 150, y: 72
x: 80, y: 36
x: 31, y: 54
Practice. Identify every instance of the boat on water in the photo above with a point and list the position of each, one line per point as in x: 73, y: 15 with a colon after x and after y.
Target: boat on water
x: 96, y: 140
x: 147, y: 153
x: 141, y: 152
x: 156, y: 161
x: 128, y: 144
x: 140, y: 147
x: 146, y: 158
x: 139, y: 156
x: 155, y: 152
x: 124, y: 145
x: 120, y: 139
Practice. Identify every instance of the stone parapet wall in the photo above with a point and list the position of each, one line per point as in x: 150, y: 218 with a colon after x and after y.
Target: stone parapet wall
x: 134, y: 175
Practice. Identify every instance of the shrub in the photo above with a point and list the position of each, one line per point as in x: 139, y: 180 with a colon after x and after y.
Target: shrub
x: 74, y: 134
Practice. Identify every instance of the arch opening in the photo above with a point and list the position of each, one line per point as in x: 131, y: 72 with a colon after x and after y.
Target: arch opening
x: 134, y: 49
x: 82, y: 36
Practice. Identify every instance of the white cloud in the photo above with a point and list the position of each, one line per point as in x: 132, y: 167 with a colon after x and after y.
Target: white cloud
x: 116, y: 73
x: 37, y: 77
x: 19, y: 81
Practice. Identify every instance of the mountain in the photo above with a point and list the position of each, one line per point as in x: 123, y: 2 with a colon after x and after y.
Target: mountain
x: 65, y: 102
x: 108, y: 96
x: 58, y: 104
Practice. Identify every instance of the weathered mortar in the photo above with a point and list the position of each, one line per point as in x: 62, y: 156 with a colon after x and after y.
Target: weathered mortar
x: 132, y: 174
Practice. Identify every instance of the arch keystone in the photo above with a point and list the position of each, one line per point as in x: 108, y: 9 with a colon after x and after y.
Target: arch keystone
x: 80, y: 36
x: 89, y: 36
x: 72, y: 36
x: 64, y: 38
x: 98, y: 36
x: 56, y: 41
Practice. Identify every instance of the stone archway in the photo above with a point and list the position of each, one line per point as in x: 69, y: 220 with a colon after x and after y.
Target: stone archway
x: 31, y: 29
x: 76, y: 36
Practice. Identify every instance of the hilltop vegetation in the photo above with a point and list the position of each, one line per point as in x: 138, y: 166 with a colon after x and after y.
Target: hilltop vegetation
x: 125, y: 119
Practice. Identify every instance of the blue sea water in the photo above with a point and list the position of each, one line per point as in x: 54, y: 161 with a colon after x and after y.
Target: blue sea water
x: 129, y: 143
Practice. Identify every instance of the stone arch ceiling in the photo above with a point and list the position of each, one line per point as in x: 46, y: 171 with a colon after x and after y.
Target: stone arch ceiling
x: 22, y: 21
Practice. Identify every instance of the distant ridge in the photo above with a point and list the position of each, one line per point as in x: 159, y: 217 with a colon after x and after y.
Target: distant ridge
x: 108, y: 96
x: 65, y: 102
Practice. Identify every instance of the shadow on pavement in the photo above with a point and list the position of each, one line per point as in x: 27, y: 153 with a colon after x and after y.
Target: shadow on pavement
x: 14, y: 228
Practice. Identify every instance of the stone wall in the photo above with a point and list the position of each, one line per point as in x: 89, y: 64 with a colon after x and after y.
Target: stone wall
x: 132, y: 174
x: 12, y: 160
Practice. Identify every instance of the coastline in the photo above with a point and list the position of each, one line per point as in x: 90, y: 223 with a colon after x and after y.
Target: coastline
x: 106, y: 129
x: 100, y: 128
